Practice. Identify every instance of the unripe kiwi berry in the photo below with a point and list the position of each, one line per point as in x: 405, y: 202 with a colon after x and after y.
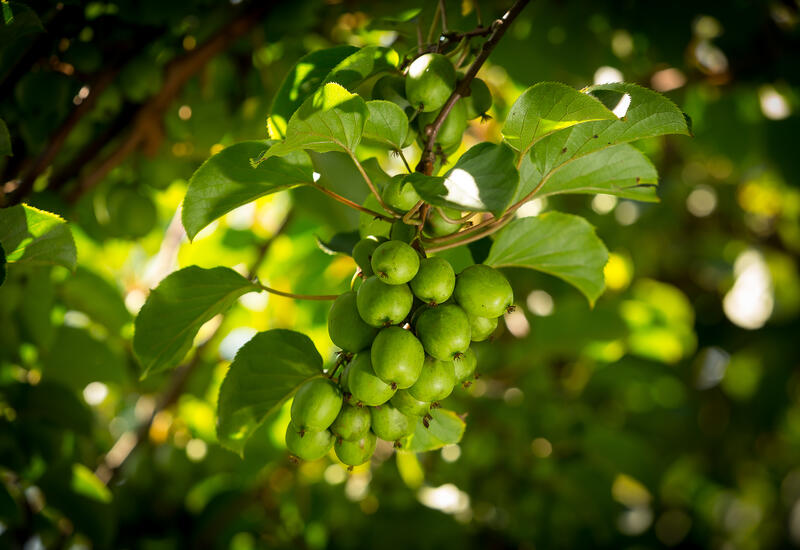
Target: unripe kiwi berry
x: 444, y: 331
x: 434, y: 281
x: 430, y: 80
x: 362, y: 252
x: 395, y: 262
x: 465, y: 365
x: 346, y: 327
x: 364, y: 385
x: 436, y: 381
x: 352, y: 423
x: 452, y: 129
x: 389, y: 423
x: 409, y: 405
x: 380, y: 304
x: 355, y: 452
x: 316, y: 404
x: 483, y: 291
x: 397, y: 357
x: 437, y: 226
x: 482, y: 327
x: 400, y: 194
x: 308, y: 444
x: 479, y: 100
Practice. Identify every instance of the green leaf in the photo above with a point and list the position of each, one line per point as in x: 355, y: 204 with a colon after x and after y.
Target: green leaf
x: 387, y: 124
x: 177, y: 308
x: 76, y: 359
x: 228, y: 180
x: 92, y: 294
x: 445, y: 428
x: 36, y: 237
x: 5, y: 140
x: 16, y: 35
x: 547, y: 107
x: 366, y: 62
x: 391, y: 21
x: 85, y: 483
x: 330, y: 120
x: 266, y: 371
x: 2, y: 265
x: 649, y: 114
x: 559, y: 244
x: 302, y: 81
x: 340, y: 243
x: 621, y: 170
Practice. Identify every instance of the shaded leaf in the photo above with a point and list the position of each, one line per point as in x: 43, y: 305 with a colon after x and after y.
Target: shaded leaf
x: 36, y: 237
x: 445, y: 428
x: 92, y: 294
x: 621, y: 170
x: 340, y: 243
x: 177, y: 308
x: 484, y: 179
x: 2, y: 265
x: 547, y: 107
x: 266, y: 371
x: 562, y: 245
x: 76, y: 359
x: 228, y: 180
x: 330, y: 120
x: 359, y: 66
x: 387, y: 124
x: 303, y: 80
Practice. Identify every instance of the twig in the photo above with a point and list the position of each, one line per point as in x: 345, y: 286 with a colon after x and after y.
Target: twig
x: 419, y: 35
x: 476, y: 4
x: 475, y: 228
x: 350, y: 203
x: 147, y: 125
x: 499, y: 224
x: 403, y: 158
x: 371, y: 185
x: 448, y: 219
x: 499, y: 28
x: 432, y: 28
x: 410, y: 214
x: 443, y: 13
x: 319, y: 297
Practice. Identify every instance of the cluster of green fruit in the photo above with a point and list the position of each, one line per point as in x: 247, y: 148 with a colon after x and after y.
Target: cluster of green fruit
x: 405, y: 337
x: 429, y: 81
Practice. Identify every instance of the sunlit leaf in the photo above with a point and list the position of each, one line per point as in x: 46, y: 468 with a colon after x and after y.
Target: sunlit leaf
x: 547, y: 107
x: 559, y: 244
x: 387, y: 124
x: 306, y: 76
x: 228, y: 180
x: 483, y: 179
x: 265, y: 372
x: 330, y: 120
x: 33, y: 236
x: 85, y: 483
x: 177, y: 308
x: 361, y: 65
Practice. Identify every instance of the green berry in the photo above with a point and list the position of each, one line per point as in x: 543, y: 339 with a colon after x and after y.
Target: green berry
x: 482, y: 327
x: 430, y: 80
x: 409, y: 405
x: 395, y: 262
x: 465, y: 365
x: 403, y: 232
x: 437, y: 226
x: 444, y: 331
x: 352, y: 423
x: 369, y: 224
x: 434, y: 282
x: 316, y: 404
x: 364, y: 385
x: 483, y: 291
x: 479, y: 100
x: 392, y: 87
x: 345, y: 326
x: 308, y: 444
x: 400, y: 194
x: 397, y: 357
x: 389, y: 423
x: 362, y: 252
x: 436, y: 381
x: 381, y: 305
x: 356, y: 452
x: 452, y: 130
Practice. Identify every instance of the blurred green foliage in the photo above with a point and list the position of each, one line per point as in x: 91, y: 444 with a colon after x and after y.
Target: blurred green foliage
x: 666, y: 416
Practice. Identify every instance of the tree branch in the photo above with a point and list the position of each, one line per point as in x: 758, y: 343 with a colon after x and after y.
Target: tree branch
x: 351, y: 204
x: 462, y: 90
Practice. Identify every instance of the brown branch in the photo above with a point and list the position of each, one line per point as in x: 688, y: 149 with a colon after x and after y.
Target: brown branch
x: 350, y: 203
x: 499, y: 28
x: 147, y: 128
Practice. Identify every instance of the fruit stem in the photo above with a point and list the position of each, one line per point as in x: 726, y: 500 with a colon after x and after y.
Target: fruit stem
x: 499, y: 28
x: 408, y: 215
x: 298, y: 296
x: 403, y: 158
x: 351, y: 204
x: 448, y: 219
x: 371, y: 185
x: 499, y: 224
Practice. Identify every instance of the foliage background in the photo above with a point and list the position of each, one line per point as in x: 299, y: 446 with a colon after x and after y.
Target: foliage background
x: 669, y: 415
